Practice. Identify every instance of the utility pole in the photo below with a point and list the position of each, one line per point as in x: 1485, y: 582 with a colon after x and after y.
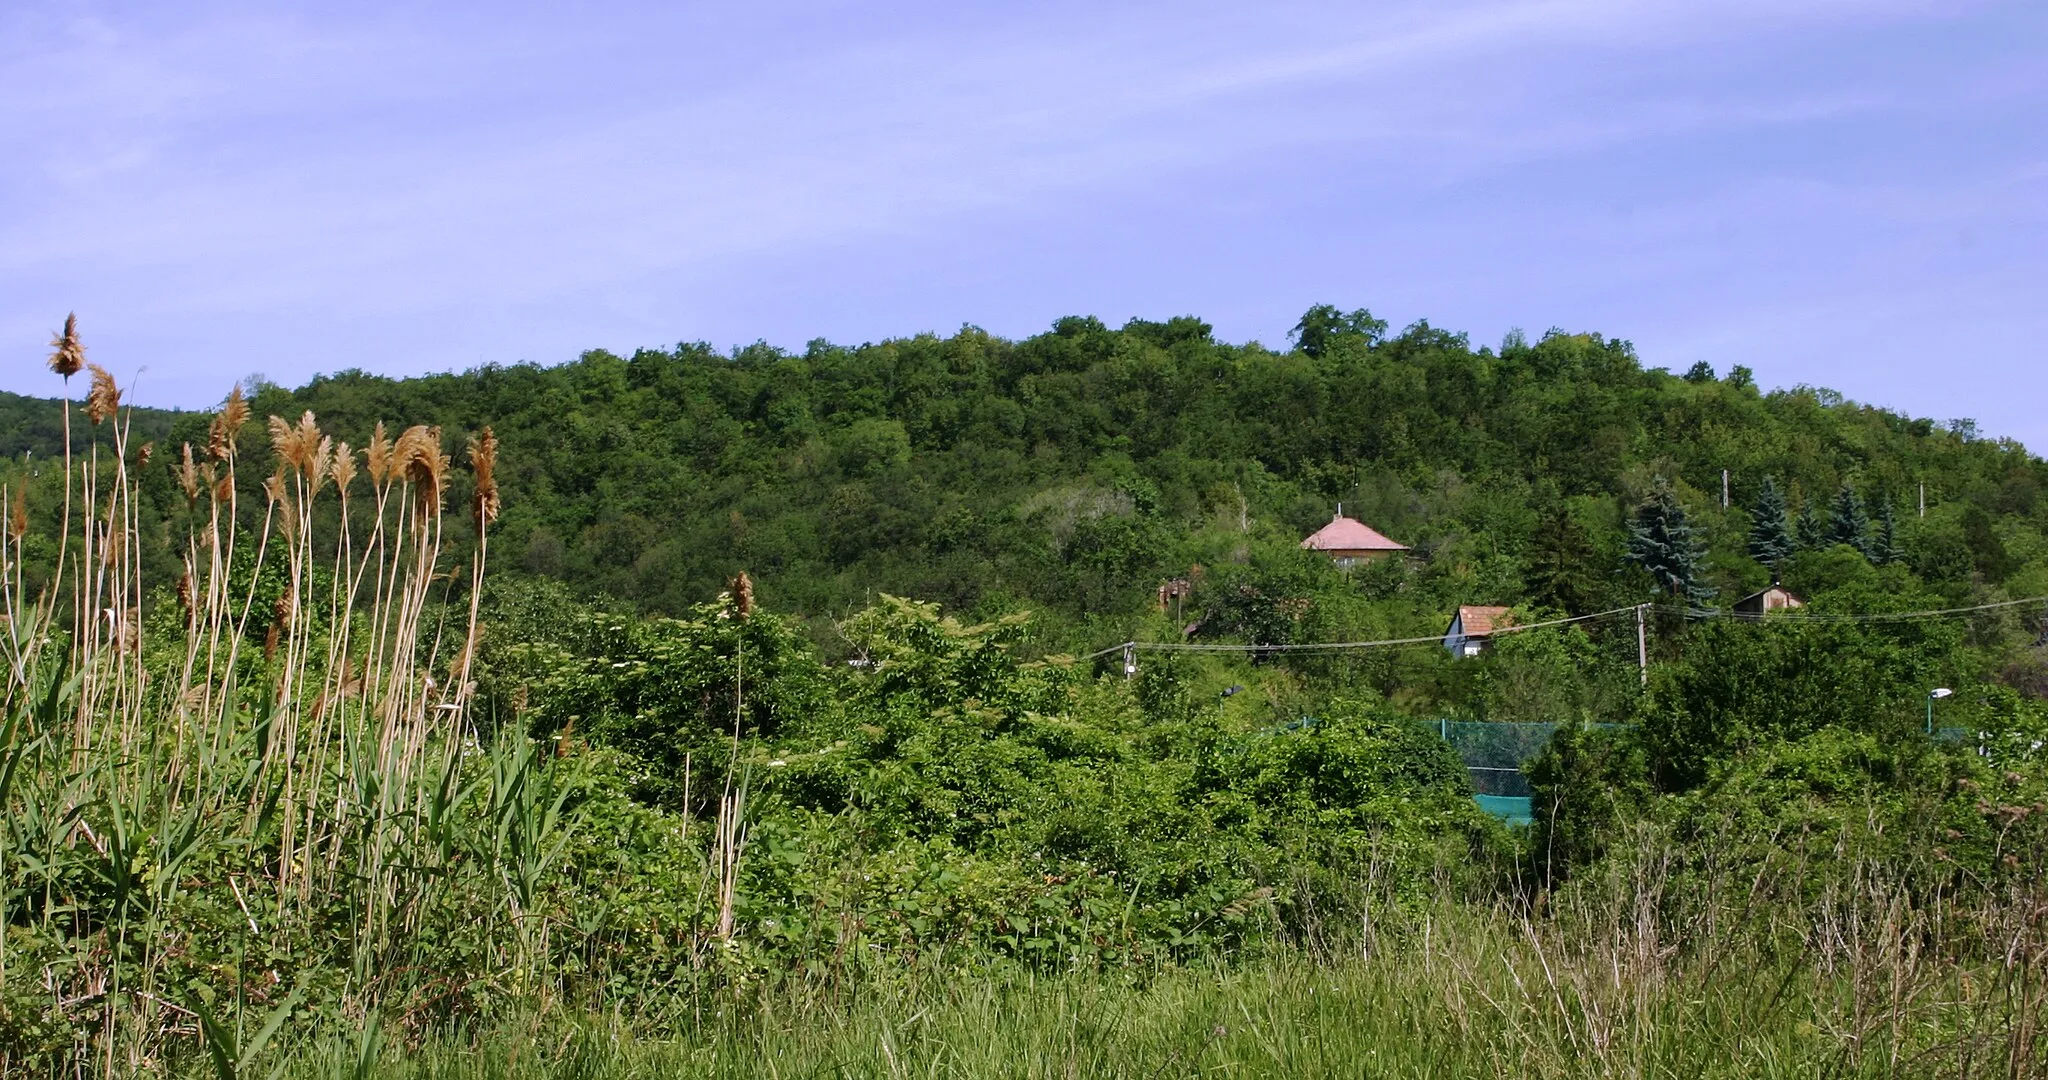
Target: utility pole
x: 1643, y: 643
x: 1923, y: 500
x: 1724, y: 489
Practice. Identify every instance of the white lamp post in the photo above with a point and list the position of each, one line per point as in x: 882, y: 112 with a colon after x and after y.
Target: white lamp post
x: 1933, y: 696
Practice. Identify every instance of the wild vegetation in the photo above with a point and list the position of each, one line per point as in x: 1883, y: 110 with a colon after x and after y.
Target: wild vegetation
x: 779, y: 749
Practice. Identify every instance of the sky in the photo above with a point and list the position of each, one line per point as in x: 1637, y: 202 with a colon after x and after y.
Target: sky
x: 1842, y: 193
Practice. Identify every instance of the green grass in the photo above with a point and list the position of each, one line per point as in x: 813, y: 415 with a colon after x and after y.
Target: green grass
x: 1470, y: 997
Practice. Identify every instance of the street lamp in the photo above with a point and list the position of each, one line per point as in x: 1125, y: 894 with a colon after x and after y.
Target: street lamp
x: 1933, y: 696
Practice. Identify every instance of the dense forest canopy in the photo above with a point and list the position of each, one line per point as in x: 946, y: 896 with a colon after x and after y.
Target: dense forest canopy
x: 910, y: 750
x: 1075, y: 471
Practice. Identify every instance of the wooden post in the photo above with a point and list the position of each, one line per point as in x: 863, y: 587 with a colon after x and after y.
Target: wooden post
x: 1643, y: 642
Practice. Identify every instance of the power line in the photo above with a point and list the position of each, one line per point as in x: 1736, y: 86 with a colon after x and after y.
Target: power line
x: 1848, y: 617
x: 1437, y: 639
x: 1333, y: 646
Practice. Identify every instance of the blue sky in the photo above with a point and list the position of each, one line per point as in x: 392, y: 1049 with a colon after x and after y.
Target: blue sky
x: 1848, y: 193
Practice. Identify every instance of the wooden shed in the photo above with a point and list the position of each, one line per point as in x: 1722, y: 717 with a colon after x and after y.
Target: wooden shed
x: 1761, y: 603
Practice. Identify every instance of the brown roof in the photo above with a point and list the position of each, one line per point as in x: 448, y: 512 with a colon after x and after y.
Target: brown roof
x: 1479, y: 621
x: 1348, y: 534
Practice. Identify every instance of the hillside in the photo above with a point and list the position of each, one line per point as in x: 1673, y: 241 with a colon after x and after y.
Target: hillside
x: 459, y: 803
x: 35, y: 426
x: 1076, y: 470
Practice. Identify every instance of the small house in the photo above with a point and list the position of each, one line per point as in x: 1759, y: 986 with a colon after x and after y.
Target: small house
x: 1348, y: 541
x: 1776, y: 598
x: 1472, y: 629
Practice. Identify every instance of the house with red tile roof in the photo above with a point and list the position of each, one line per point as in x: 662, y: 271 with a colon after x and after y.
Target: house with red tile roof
x: 1349, y: 541
x: 1472, y: 628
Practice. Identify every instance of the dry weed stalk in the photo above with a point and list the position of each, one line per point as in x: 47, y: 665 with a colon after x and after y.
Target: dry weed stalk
x: 332, y: 734
x: 68, y: 355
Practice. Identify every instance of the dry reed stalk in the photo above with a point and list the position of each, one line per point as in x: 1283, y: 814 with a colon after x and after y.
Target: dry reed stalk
x: 103, y: 400
x: 384, y: 707
x: 484, y: 506
x: 227, y: 426
x: 69, y: 354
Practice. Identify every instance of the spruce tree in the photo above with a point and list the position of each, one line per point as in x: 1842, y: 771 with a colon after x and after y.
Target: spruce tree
x: 1849, y: 524
x: 1662, y: 541
x: 1812, y: 529
x: 1560, y: 558
x: 1770, y: 529
x: 1884, y: 548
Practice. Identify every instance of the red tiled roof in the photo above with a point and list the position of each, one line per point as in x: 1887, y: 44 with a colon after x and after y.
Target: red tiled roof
x: 1347, y: 534
x: 1479, y: 621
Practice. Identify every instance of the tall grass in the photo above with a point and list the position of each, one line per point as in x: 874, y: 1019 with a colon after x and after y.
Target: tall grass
x: 1453, y: 992
x: 158, y: 768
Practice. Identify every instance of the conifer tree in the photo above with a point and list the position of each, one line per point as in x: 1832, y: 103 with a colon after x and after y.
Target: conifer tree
x: 1770, y: 528
x: 1884, y: 547
x: 1849, y: 524
x: 1812, y: 530
x: 1664, y: 542
x: 1560, y: 557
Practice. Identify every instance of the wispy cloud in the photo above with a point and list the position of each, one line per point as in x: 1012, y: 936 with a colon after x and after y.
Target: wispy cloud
x: 349, y: 172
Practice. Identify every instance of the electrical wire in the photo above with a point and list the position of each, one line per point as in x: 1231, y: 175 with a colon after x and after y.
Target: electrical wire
x: 1334, y: 646
x: 1437, y: 639
x: 1847, y: 617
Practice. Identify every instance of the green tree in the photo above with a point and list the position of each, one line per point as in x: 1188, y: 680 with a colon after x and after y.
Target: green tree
x: 1811, y: 531
x: 1884, y: 545
x: 1561, y: 559
x: 1323, y: 324
x: 1664, y: 542
x: 1848, y: 523
x: 1770, y: 530
x: 1741, y: 685
x: 1701, y: 372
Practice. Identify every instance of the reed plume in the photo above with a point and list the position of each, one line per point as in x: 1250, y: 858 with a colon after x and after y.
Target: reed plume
x: 379, y: 456
x: 69, y: 356
x: 418, y: 458
x: 297, y: 446
x: 17, y: 515
x: 220, y: 435
x: 483, y: 458
x: 323, y: 461
x: 742, y: 588
x: 341, y: 465
x: 188, y: 476
x: 104, y: 398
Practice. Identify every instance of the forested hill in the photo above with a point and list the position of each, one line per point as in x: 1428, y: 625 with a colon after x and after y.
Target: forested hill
x: 35, y: 426
x: 1075, y: 471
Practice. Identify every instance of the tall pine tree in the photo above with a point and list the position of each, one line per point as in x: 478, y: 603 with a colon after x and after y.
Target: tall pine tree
x: 1770, y: 529
x: 1849, y: 524
x: 1560, y: 558
x: 1884, y: 547
x: 1662, y: 541
x: 1812, y: 529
